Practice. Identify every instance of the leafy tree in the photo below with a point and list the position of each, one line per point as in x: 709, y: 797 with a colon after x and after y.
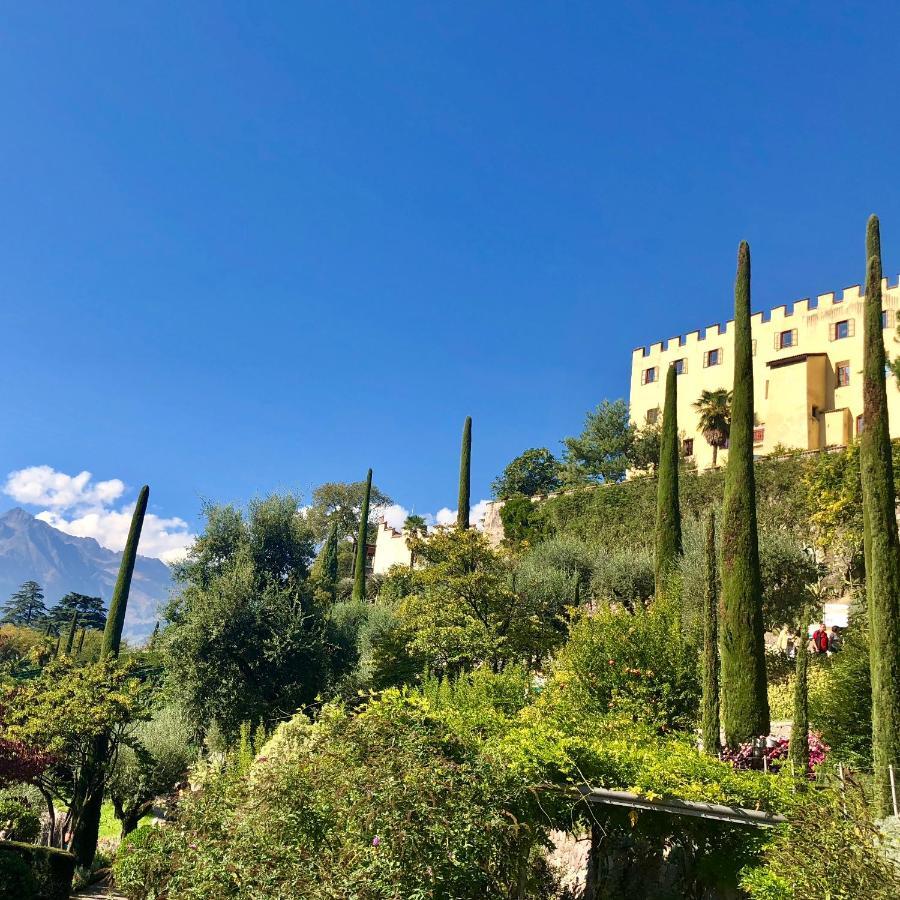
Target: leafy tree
x: 67, y: 711
x: 522, y: 520
x: 535, y: 471
x: 91, y: 612
x: 339, y: 503
x: 668, y: 510
x: 602, y: 451
x: 623, y: 576
x: 461, y: 609
x: 246, y: 638
x: 414, y: 526
x: 646, y: 448
x: 714, y: 423
x: 882, y: 544
x: 154, y: 756
x: 26, y: 605
x: 745, y: 701
x: 465, y: 476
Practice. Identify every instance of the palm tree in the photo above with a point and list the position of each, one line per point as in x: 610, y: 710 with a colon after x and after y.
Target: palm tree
x: 714, y: 408
x: 413, y: 526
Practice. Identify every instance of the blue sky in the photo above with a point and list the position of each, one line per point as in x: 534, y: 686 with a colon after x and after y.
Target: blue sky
x: 260, y: 246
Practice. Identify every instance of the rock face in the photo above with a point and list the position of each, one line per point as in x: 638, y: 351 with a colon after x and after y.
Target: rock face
x: 33, y: 550
x: 492, y: 524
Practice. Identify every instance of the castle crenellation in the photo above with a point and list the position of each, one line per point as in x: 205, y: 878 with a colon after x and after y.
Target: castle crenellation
x: 824, y: 306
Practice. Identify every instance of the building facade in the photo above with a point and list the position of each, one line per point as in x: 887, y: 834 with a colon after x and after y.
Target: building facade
x: 807, y: 374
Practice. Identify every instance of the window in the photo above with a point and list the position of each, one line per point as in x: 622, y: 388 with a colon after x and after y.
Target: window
x: 653, y: 415
x: 842, y: 370
x: 885, y: 318
x: 840, y: 330
x: 712, y: 358
x: 648, y: 376
x: 786, y: 339
x: 859, y: 424
x: 687, y: 447
x: 680, y: 366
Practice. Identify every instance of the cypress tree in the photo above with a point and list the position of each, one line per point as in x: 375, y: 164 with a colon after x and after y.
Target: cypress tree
x: 883, y: 556
x: 359, y: 574
x: 330, y: 563
x: 798, y: 749
x: 70, y: 637
x: 56, y: 648
x: 710, y: 710
x: 744, y: 699
x: 668, y: 512
x: 465, y: 476
x: 81, y: 641
x: 49, y: 629
x: 86, y: 831
x: 112, y: 634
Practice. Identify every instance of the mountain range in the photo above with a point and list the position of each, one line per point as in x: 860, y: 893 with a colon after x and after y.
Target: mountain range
x: 32, y: 550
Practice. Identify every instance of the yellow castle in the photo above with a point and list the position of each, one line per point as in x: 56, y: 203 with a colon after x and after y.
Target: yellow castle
x: 807, y: 374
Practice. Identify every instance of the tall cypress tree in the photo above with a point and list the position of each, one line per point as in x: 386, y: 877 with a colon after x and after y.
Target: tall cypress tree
x: 465, y: 476
x: 798, y: 749
x: 91, y: 784
x: 710, y: 707
x: 883, y: 556
x: 112, y: 634
x: 745, y: 704
x: 330, y: 563
x: 70, y: 637
x: 81, y: 641
x: 359, y: 574
x: 668, y: 512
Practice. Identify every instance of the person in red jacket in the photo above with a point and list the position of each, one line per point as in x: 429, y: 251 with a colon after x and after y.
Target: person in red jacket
x: 820, y: 639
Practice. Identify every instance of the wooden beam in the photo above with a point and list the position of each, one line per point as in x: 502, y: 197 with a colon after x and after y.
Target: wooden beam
x: 735, y: 815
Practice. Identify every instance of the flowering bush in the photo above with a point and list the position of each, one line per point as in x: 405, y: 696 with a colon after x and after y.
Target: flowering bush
x: 775, y: 756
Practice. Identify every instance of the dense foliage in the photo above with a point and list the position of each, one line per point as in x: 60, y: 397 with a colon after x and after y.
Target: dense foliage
x: 247, y: 637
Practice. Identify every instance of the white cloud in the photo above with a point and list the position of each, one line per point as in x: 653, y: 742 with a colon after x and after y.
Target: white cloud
x: 44, y: 486
x: 395, y: 515
x: 84, y: 508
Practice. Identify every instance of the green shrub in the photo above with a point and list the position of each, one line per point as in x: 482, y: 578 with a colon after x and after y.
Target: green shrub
x: 830, y: 848
x: 386, y: 803
x: 16, y: 878
x: 631, y: 665
x: 18, y: 820
x: 781, y: 687
x: 840, y: 703
x: 51, y: 869
x: 142, y: 862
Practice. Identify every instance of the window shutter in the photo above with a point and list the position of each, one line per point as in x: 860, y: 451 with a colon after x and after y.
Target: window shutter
x: 794, y: 337
x: 643, y: 376
x: 832, y: 330
x: 656, y: 373
x: 753, y: 347
x: 705, y: 359
x: 721, y: 356
x: 777, y: 340
x: 851, y: 327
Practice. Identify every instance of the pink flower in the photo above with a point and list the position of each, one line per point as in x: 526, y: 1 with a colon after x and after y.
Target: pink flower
x: 376, y: 841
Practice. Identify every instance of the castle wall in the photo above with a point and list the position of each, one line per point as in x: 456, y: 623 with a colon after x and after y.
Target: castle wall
x: 793, y: 403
